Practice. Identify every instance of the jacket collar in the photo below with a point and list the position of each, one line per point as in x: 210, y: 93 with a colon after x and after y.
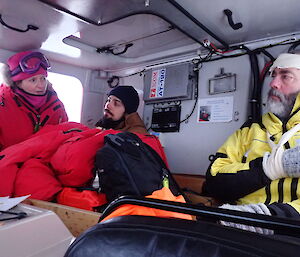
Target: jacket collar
x: 275, y: 126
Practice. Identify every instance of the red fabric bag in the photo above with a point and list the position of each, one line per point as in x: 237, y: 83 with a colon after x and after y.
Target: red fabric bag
x: 85, y: 199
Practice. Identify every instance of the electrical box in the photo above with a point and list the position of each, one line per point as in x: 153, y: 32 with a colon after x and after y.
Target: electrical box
x: 166, y: 119
x: 175, y: 82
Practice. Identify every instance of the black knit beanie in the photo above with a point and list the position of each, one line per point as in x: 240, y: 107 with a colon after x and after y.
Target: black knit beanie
x: 129, y: 97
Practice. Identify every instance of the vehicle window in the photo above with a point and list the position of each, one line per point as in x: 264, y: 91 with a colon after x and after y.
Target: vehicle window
x: 1, y: 78
x: 69, y: 91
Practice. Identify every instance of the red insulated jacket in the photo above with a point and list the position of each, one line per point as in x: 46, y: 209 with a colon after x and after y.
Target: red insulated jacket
x: 73, y: 161
x: 24, y: 167
x: 55, y: 157
x: 19, y: 120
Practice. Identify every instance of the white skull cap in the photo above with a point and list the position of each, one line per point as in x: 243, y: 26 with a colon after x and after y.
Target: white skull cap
x: 286, y: 61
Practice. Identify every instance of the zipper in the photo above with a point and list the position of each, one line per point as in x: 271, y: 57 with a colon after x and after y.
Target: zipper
x: 37, y: 123
x: 165, y: 178
x: 284, y: 129
x: 33, y: 120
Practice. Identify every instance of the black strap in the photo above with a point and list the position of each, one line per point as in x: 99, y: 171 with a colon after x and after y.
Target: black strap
x: 160, y: 160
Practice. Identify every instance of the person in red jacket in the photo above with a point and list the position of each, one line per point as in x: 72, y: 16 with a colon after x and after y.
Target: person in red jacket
x: 27, y: 100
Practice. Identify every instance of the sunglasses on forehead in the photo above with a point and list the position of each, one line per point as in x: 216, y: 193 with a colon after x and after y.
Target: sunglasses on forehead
x: 31, y: 63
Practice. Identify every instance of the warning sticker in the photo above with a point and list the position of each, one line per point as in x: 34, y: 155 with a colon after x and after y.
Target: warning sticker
x: 217, y: 109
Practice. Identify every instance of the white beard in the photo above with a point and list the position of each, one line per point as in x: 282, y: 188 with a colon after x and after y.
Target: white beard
x: 281, y: 108
x: 278, y: 108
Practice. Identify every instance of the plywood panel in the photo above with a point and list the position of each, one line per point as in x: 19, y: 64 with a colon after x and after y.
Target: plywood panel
x: 76, y: 220
x: 194, y: 183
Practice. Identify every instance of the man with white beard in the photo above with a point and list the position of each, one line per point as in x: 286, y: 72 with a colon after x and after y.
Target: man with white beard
x: 258, y: 168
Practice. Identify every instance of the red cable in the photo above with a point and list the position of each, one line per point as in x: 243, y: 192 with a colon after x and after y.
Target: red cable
x: 262, y: 74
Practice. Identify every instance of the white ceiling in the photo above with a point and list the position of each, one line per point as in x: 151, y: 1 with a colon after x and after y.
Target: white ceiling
x: 157, y: 31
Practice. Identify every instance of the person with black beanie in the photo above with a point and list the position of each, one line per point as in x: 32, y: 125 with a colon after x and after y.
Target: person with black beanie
x: 120, y: 111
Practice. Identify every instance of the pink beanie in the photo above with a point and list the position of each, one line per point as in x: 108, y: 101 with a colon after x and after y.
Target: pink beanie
x: 13, y: 63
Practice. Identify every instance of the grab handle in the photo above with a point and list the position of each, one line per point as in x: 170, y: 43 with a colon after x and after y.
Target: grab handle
x: 32, y: 27
x: 233, y: 25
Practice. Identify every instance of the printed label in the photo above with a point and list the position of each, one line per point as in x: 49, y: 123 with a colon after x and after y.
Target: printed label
x: 157, y: 83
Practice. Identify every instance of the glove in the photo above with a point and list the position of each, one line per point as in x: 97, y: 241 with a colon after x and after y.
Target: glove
x: 291, y: 162
x: 273, y: 163
x: 258, y: 208
x: 280, y: 163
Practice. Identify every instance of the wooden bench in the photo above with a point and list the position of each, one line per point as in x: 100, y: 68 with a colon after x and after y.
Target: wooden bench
x: 194, y: 183
x: 76, y: 220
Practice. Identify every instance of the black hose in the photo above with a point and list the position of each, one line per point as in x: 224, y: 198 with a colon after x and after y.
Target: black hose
x: 293, y: 46
x: 255, y: 106
x: 255, y: 98
x: 266, y: 53
x: 261, y: 80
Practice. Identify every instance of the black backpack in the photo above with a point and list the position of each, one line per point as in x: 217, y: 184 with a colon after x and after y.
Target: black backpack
x: 127, y: 166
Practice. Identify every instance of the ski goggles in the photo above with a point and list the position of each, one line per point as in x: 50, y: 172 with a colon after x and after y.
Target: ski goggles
x: 31, y: 63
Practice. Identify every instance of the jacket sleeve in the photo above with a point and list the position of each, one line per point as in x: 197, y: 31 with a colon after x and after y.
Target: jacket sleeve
x: 286, y: 210
x: 230, y: 176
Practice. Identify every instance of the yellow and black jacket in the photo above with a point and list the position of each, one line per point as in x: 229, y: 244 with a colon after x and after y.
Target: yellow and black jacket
x: 236, y: 174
